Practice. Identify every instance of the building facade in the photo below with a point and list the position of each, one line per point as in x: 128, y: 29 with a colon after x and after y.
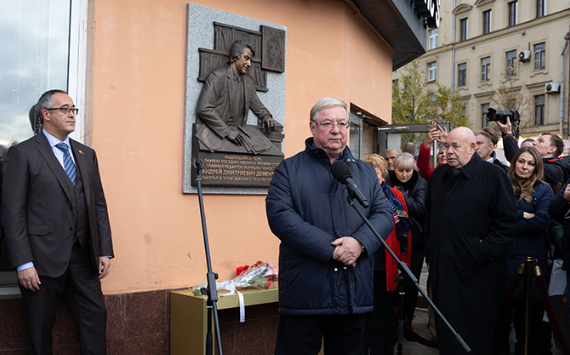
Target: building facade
x: 513, y: 47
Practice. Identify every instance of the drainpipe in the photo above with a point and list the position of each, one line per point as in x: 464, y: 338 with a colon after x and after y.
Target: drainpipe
x: 566, y: 38
x: 453, y: 52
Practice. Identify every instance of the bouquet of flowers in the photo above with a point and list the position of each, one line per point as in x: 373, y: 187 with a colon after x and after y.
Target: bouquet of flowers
x: 259, y: 275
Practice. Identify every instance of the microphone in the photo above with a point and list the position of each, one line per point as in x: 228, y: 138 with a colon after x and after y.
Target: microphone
x: 341, y: 172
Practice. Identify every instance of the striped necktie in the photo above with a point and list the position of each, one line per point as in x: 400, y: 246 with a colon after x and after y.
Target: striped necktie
x: 68, y: 164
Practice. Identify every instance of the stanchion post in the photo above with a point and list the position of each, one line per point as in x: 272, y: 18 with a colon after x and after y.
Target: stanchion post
x: 528, y: 261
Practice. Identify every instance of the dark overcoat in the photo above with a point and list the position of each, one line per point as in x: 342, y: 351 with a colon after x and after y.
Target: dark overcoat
x: 307, y: 209
x: 470, y: 220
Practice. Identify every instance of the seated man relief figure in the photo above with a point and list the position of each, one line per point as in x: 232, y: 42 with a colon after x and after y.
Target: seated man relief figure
x: 226, y: 98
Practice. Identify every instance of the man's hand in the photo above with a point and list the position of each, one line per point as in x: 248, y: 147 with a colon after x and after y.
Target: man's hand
x: 235, y: 137
x: 29, y: 279
x: 268, y: 123
x: 505, y: 128
x: 347, y: 250
x: 104, y: 266
x: 527, y: 215
x: 566, y: 194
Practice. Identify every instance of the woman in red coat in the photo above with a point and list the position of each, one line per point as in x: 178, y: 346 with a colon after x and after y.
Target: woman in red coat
x: 381, y: 326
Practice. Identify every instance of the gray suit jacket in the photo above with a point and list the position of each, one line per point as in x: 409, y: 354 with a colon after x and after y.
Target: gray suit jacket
x: 39, y: 215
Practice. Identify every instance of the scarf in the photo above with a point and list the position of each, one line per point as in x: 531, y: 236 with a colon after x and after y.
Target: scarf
x: 400, y: 218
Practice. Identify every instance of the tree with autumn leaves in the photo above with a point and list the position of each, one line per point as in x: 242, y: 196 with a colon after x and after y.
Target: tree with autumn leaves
x: 413, y: 102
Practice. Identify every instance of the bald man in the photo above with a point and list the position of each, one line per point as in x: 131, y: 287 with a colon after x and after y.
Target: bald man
x: 470, y: 220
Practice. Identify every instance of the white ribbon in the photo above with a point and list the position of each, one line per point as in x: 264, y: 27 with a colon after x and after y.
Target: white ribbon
x: 229, y: 285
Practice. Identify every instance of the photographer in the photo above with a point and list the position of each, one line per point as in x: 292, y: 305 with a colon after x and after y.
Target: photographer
x: 424, y: 168
x: 549, y: 145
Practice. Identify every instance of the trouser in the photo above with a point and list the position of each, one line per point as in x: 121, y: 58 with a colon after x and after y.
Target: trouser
x: 381, y: 330
x: 303, y: 335
x: 81, y: 290
x: 411, y: 297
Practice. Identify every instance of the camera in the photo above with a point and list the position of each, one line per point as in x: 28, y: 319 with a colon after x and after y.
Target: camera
x: 502, y: 115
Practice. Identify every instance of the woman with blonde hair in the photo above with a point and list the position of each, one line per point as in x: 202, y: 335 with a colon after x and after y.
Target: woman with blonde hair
x: 381, y: 327
x: 532, y: 198
x: 406, y: 179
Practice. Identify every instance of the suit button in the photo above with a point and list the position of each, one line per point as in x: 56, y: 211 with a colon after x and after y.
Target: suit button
x: 71, y: 229
x: 70, y: 207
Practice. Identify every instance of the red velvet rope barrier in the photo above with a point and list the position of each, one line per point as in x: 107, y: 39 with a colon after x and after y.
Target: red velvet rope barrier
x: 551, y: 315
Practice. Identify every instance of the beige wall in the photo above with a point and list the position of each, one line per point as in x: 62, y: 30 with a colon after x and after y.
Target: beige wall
x: 138, y: 121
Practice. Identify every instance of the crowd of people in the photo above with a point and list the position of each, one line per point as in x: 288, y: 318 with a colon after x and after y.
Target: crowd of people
x: 472, y: 219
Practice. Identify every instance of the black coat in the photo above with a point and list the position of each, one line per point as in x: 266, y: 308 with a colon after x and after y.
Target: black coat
x: 415, y: 192
x: 558, y: 210
x: 307, y: 210
x: 470, y: 220
x: 530, y: 237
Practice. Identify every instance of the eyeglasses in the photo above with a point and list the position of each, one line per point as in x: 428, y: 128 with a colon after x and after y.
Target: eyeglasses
x: 327, y: 126
x: 64, y: 110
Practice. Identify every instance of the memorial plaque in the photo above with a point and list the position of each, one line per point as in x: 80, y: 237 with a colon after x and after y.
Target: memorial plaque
x: 236, y: 170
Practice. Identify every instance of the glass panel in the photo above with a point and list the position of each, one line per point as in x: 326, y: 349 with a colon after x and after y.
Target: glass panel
x: 354, y: 142
x: 34, y: 42
x: 34, y: 47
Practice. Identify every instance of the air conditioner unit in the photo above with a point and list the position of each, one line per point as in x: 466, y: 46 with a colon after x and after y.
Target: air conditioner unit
x: 524, y: 56
x: 552, y: 88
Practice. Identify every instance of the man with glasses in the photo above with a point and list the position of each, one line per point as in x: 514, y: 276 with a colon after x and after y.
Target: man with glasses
x: 326, y: 251
x: 57, y: 228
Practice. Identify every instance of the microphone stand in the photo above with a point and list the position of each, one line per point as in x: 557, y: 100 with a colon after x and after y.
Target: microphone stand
x: 402, y: 266
x: 211, y: 277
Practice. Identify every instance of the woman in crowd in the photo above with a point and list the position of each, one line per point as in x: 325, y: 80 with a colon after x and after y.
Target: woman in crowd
x: 424, y: 168
x: 532, y: 198
x: 406, y: 179
x: 381, y: 326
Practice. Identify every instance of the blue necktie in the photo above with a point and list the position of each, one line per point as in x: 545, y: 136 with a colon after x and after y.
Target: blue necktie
x: 68, y: 164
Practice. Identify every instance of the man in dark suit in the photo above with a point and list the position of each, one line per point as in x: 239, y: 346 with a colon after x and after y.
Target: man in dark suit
x: 57, y: 228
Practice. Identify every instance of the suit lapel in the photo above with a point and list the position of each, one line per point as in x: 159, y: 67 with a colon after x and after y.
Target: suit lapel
x: 47, y: 153
x: 81, y: 164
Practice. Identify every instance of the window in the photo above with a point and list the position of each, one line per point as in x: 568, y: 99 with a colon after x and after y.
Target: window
x: 484, y: 111
x: 355, y: 129
x: 432, y: 71
x: 539, y: 56
x: 462, y: 74
x: 486, y: 22
x: 540, y: 8
x: 539, y: 109
x: 485, y: 69
x: 511, y: 65
x: 433, y: 34
x: 513, y: 12
x: 395, y: 87
x: 463, y: 29
x: 40, y: 36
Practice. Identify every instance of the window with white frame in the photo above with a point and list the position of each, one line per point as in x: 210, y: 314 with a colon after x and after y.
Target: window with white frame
x: 432, y: 71
x: 539, y: 109
x: 463, y: 24
x: 540, y: 8
x: 511, y: 63
x: 539, y: 56
x: 433, y: 35
x: 513, y: 12
x: 486, y: 22
x: 462, y: 74
x: 486, y: 69
x: 484, y: 111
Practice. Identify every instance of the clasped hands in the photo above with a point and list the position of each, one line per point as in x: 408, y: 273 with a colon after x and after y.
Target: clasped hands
x: 347, y: 250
